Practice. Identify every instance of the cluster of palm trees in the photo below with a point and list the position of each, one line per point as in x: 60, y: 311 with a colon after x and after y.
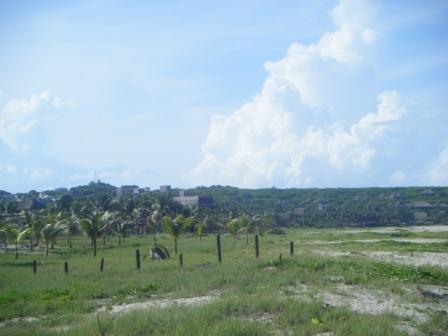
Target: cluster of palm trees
x: 247, y: 224
x: 98, y: 220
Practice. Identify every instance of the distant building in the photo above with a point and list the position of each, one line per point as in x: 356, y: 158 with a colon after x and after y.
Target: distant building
x: 127, y: 190
x: 300, y: 211
x: 165, y: 189
x: 192, y: 201
x: 30, y: 204
x: 421, y: 205
x: 427, y: 192
x: 420, y: 216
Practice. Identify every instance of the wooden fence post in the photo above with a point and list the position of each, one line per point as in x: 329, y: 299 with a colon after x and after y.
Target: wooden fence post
x: 218, y: 246
x: 291, y: 248
x: 102, y: 264
x: 181, y: 260
x: 137, y: 258
x: 66, y: 267
x: 280, y: 259
x: 34, y: 266
x: 257, y: 247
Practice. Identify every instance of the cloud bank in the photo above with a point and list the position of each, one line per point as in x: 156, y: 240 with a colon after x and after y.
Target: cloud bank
x: 279, y: 136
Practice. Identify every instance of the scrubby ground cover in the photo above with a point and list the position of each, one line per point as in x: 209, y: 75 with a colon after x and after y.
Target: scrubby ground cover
x: 331, y: 285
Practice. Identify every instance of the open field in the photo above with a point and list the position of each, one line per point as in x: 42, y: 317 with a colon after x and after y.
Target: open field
x: 338, y: 282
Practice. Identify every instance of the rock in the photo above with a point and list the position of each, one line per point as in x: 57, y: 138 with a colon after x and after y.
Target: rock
x: 159, y: 253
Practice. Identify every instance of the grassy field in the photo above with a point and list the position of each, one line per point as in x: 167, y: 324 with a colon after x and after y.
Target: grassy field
x: 331, y: 284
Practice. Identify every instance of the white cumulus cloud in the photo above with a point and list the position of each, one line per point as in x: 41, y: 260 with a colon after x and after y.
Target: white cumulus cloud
x: 260, y: 144
x: 436, y: 173
x: 20, y: 116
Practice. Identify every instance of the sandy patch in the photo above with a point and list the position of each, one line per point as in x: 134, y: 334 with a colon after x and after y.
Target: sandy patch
x: 21, y: 320
x: 410, y: 258
x: 429, y: 228
x: 405, y: 240
x: 436, y: 292
x: 413, y: 258
x: 264, y: 317
x: 368, y: 301
x: 162, y: 303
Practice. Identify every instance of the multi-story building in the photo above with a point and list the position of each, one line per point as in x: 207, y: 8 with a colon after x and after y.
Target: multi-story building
x: 127, y: 190
x: 165, y: 189
x: 192, y: 201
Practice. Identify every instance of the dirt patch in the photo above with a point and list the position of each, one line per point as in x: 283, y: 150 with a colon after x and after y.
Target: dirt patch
x: 429, y: 228
x: 435, y: 292
x: 21, y: 320
x: 162, y: 303
x: 368, y: 301
x: 413, y: 258
x: 404, y: 240
x: 408, y: 329
x: 264, y: 317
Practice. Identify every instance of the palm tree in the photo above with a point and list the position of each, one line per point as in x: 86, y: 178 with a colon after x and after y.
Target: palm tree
x: 245, y: 225
x: 49, y: 233
x: 71, y: 228
x: 263, y: 224
x: 29, y: 220
x: 15, y: 235
x: 233, y: 226
x: 201, y: 227
x: 95, y: 225
x: 173, y: 228
x: 153, y: 222
x: 121, y: 227
x: 38, y: 225
x: 158, y: 210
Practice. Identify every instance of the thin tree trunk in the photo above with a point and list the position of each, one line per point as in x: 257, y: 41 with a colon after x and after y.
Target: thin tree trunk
x: 52, y: 244
x: 46, y: 249
x: 104, y: 241
x: 154, y: 236
x: 70, y: 241
x: 119, y: 239
x: 31, y: 242
x: 17, y: 251
x: 175, y: 245
x: 94, y: 246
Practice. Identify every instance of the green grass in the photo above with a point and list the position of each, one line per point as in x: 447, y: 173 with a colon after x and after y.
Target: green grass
x: 247, y: 286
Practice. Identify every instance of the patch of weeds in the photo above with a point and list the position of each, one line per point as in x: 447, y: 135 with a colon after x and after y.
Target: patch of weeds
x: 393, y: 245
x: 147, y: 289
x: 360, y: 271
x: 437, y: 326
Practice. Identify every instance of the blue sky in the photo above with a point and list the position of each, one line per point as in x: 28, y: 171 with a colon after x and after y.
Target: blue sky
x: 246, y: 93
